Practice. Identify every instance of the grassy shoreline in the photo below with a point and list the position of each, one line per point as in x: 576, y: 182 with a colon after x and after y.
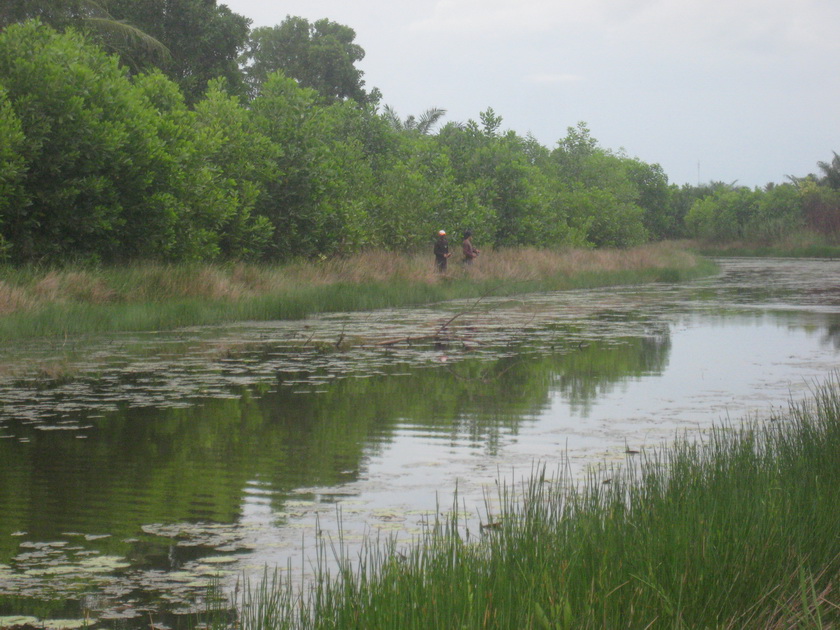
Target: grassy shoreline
x: 797, y: 246
x: 37, y: 303
x: 736, y: 528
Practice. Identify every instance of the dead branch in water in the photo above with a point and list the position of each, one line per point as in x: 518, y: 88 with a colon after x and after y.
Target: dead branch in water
x: 435, y: 336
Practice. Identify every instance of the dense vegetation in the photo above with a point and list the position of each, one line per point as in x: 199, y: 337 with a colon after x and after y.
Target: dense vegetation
x: 132, y: 133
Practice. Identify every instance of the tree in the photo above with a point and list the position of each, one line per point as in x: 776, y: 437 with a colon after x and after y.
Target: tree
x: 12, y: 166
x: 778, y: 216
x: 86, y: 143
x: 661, y: 218
x: 57, y: 13
x: 320, y: 55
x: 90, y: 17
x: 831, y: 172
x: 119, y: 168
x: 316, y: 204
x: 520, y: 198
x: 418, y: 194
x: 573, y: 151
x: 724, y: 215
x: 205, y: 40
x: 821, y: 208
x: 241, y: 162
x: 602, y: 190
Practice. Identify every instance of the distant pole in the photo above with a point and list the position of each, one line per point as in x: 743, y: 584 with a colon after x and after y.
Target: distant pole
x: 698, y: 173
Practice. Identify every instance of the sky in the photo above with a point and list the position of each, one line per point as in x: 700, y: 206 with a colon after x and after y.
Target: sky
x: 743, y: 91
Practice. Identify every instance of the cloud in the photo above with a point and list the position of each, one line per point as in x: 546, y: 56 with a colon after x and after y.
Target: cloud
x: 504, y: 16
x: 548, y: 78
x: 726, y: 24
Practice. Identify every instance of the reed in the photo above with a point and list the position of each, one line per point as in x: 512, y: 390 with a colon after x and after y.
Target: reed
x: 736, y: 528
x: 36, y: 302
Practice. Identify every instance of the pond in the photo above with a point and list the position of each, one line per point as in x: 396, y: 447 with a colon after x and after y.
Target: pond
x: 136, y: 469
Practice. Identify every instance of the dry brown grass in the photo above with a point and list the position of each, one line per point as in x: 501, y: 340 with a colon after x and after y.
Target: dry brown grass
x: 156, y: 282
x: 534, y: 264
x: 61, y: 286
x: 13, y: 299
x: 365, y: 267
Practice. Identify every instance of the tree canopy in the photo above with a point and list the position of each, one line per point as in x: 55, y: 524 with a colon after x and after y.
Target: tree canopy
x: 101, y: 160
x: 204, y: 39
x: 320, y: 55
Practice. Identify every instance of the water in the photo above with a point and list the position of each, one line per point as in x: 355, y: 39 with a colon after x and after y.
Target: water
x: 168, y: 460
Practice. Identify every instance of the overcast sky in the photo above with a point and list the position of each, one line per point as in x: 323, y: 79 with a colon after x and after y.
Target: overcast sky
x: 713, y: 90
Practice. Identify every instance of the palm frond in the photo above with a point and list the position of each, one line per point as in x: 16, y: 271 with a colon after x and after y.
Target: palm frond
x: 429, y: 118
x: 125, y: 36
x: 423, y: 124
x: 393, y: 119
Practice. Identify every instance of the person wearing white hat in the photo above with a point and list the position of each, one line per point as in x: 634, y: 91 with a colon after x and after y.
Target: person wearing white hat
x: 441, y: 251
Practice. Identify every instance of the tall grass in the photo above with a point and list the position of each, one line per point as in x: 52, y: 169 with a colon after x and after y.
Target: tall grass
x: 796, y: 244
x: 739, y: 529
x: 35, y: 302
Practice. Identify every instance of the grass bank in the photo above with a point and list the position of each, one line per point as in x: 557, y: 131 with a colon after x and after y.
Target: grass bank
x: 736, y: 530
x: 795, y: 245
x: 44, y: 302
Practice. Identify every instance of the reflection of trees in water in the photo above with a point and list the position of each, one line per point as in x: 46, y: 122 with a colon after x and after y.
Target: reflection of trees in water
x: 832, y: 336
x: 146, y: 465
x: 598, y: 368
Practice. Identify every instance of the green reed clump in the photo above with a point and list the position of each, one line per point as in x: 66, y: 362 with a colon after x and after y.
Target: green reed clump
x: 737, y: 528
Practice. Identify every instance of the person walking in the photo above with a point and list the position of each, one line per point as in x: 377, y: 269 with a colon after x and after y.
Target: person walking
x: 470, y: 252
x: 442, y: 252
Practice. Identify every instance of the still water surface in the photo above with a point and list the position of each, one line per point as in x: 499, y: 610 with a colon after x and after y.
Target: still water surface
x: 172, y: 458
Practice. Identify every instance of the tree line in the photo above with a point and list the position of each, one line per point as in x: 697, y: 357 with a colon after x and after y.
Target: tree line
x: 128, y: 133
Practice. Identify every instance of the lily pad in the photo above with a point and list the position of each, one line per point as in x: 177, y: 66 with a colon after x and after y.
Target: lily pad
x: 103, y: 564
x: 65, y: 624
x: 17, y: 620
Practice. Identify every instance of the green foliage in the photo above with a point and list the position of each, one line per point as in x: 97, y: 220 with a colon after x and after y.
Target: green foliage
x: 98, y: 163
x: 602, y: 191
x: 91, y: 17
x: 723, y: 216
x: 778, y: 215
x: 604, y: 219
x: 241, y: 161
x: 12, y: 167
x: 417, y: 195
x: 661, y: 220
x: 831, y: 172
x: 422, y: 124
x: 88, y: 139
x: 204, y: 40
x: 521, y: 200
x: 316, y: 203
x: 57, y: 13
x: 320, y: 55
x: 122, y: 169
x: 821, y: 208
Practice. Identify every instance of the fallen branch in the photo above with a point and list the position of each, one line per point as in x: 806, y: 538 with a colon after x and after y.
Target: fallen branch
x: 408, y: 340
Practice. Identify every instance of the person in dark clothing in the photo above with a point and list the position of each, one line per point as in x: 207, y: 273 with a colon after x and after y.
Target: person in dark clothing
x: 470, y: 252
x: 441, y: 251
